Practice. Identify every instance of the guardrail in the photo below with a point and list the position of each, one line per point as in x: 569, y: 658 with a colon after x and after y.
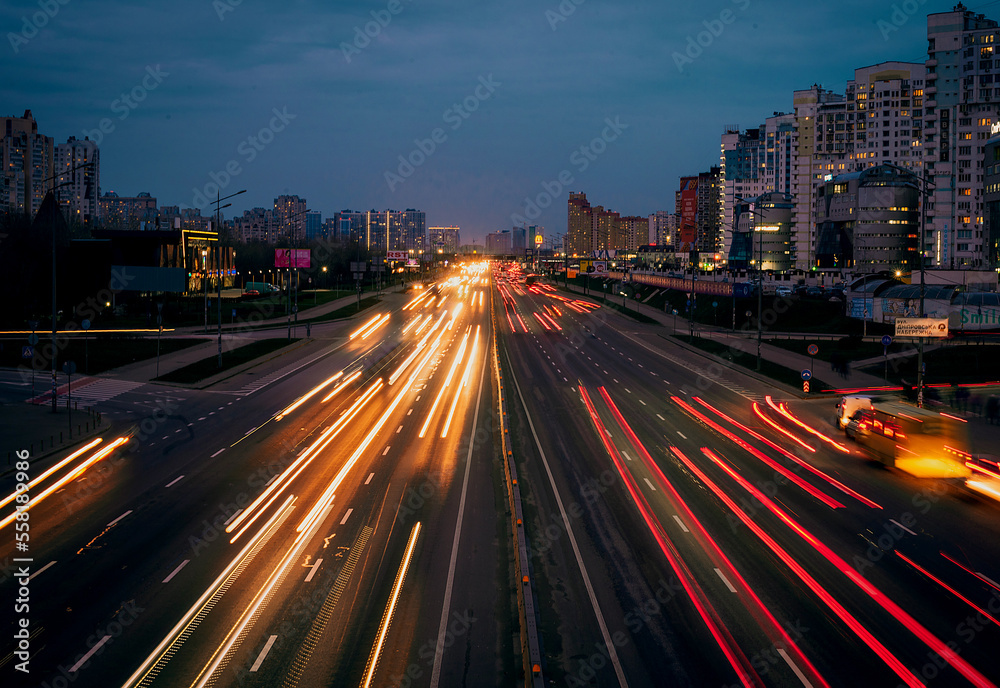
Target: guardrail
x: 530, y: 648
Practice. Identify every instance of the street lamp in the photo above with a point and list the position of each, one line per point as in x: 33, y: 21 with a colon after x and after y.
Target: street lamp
x: 218, y: 267
x: 204, y: 279
x: 760, y: 268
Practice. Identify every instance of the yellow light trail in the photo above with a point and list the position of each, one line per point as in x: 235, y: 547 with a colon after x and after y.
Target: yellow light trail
x: 365, y: 326
x: 383, y: 321
x: 79, y: 470
x: 423, y: 325
x: 465, y: 380
x: 412, y: 322
x: 391, y: 608
x: 331, y: 489
x: 46, y: 474
x: 308, y: 395
x: 191, y: 613
x: 413, y: 304
x: 439, y: 303
x: 336, y: 390
x: 447, y: 381
x: 416, y: 352
x: 304, y: 459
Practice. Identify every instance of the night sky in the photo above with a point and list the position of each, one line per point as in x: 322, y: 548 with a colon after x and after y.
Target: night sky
x: 540, y: 80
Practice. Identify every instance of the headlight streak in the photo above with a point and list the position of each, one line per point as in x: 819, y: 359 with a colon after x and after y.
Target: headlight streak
x: 327, y: 498
x: 90, y: 445
x: 75, y: 473
x: 391, y: 607
x: 708, y: 614
x: 364, y: 327
x: 413, y: 321
x: 787, y: 414
x: 877, y: 596
x: 776, y: 628
x: 154, y: 657
x: 336, y: 390
x: 383, y: 320
x: 416, y: 352
x: 413, y: 304
x: 290, y: 473
x: 444, y: 386
x: 777, y: 428
x: 308, y: 395
x: 464, y: 382
x: 761, y: 456
x: 792, y: 457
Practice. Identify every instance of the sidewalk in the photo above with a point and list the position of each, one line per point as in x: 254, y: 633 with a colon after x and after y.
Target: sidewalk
x: 37, y: 429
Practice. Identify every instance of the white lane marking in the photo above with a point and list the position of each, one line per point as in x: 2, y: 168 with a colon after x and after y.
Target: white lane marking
x: 386, y: 451
x: 174, y: 481
x: 798, y: 672
x: 892, y: 520
x: 409, y: 412
x: 346, y: 516
x: 399, y: 429
x: 120, y: 517
x: 313, y: 569
x: 625, y: 454
x: 95, y: 648
x: 202, y: 418
x: 370, y: 476
x: 263, y: 653
x: 682, y: 434
x: 681, y: 523
x: 725, y: 580
x: 177, y: 431
x: 446, y: 605
x: 230, y: 519
x: 565, y: 380
x: 249, y: 431
x: 626, y: 388
x: 642, y: 402
x: 417, y: 399
x: 176, y: 571
x: 217, y: 453
x: 51, y: 563
x: 650, y: 484
x: 660, y: 417
x: 273, y: 478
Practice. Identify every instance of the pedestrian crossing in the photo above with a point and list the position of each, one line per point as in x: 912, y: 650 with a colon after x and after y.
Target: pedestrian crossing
x: 97, y: 391
x: 261, y: 382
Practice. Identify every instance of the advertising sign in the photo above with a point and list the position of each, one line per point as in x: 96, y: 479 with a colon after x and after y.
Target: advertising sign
x: 600, y: 267
x: 689, y: 211
x: 291, y: 258
x: 396, y: 255
x: 921, y: 327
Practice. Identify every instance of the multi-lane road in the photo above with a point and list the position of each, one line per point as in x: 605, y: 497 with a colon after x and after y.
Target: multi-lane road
x: 346, y: 523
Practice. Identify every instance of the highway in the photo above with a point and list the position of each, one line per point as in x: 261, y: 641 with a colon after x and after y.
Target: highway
x: 344, y: 521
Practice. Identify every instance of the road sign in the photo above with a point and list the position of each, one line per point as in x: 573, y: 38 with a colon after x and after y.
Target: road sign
x: 27, y: 352
x: 69, y: 367
x: 357, y: 275
x: 357, y: 267
x: 805, y: 386
x: 886, y: 340
x: 715, y: 304
x: 234, y: 312
x: 921, y: 327
x: 807, y: 374
x: 33, y: 339
x: 85, y: 324
x: 813, y: 349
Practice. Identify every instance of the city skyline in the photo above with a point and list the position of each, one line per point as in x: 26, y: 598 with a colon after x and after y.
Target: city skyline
x: 492, y: 116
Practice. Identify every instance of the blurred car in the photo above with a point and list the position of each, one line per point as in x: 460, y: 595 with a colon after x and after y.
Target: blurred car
x: 782, y: 291
x: 859, y: 423
x: 251, y: 292
x: 815, y: 292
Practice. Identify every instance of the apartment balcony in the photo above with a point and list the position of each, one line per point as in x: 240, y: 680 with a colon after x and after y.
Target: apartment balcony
x: 931, y: 62
x: 930, y: 90
x: 932, y: 76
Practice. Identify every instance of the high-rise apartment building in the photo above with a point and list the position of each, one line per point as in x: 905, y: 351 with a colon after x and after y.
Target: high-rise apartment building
x: 960, y: 105
x: 78, y: 180
x: 128, y: 212
x: 663, y: 228
x: 290, y: 215
x: 314, y: 225
x: 578, y: 226
x: 28, y: 164
x: 443, y: 239
x: 384, y: 230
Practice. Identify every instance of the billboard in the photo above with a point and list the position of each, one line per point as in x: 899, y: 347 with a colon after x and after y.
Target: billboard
x: 291, y: 258
x: 921, y: 327
x: 689, y: 212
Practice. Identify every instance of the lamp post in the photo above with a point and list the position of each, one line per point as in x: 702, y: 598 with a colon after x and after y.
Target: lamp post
x: 759, y: 271
x: 293, y: 310
x: 218, y: 263
x: 204, y: 279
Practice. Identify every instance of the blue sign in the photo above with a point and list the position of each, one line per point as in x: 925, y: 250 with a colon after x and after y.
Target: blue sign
x: 27, y: 352
x: 807, y: 374
x: 886, y: 340
x: 742, y: 290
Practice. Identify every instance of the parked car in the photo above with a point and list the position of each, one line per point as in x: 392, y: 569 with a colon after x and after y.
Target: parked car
x: 815, y: 292
x: 251, y: 292
x: 783, y: 291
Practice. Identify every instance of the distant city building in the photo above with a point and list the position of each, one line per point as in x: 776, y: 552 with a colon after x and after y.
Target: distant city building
x: 314, y: 225
x: 663, y: 228
x: 28, y: 164
x: 578, y: 226
x: 763, y: 235
x: 257, y: 225
x: 78, y: 180
x: 593, y: 228
x: 384, y: 230
x: 991, y: 199
x: 290, y: 216
x: 499, y: 243
x: 128, y: 212
x: 869, y: 221
x: 443, y: 239
x: 175, y: 217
